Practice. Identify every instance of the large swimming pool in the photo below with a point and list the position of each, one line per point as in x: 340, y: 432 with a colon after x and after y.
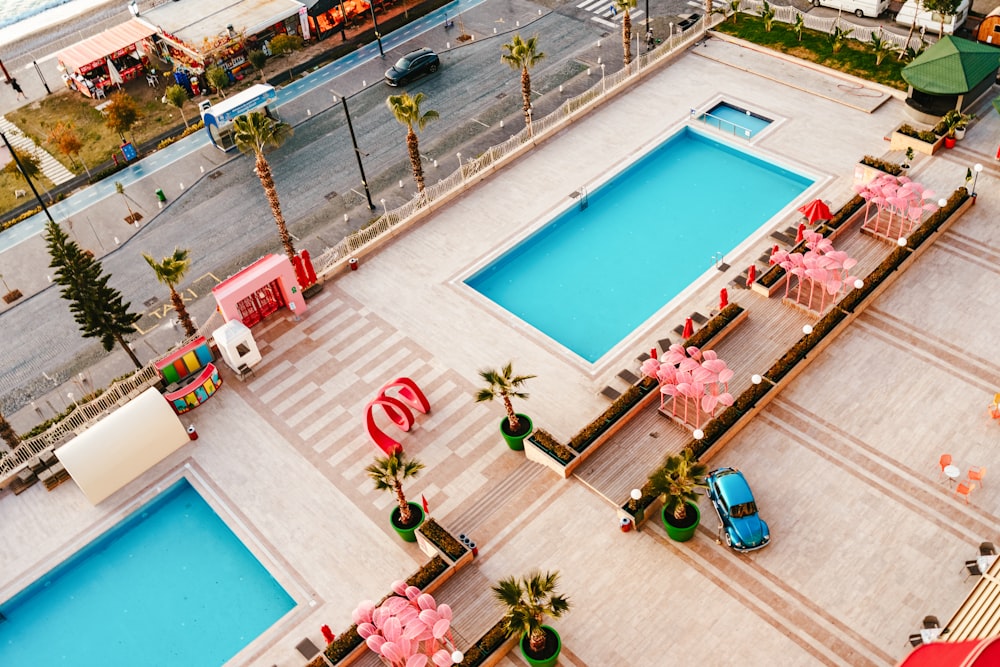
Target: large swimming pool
x: 594, y: 274
x: 169, y: 585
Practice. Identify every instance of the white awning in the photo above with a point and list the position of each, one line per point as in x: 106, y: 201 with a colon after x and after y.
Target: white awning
x: 123, y: 445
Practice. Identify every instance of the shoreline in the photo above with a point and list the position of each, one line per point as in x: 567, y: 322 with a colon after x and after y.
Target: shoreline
x: 46, y: 33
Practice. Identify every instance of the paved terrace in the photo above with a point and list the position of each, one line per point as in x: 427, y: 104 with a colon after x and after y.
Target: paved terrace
x: 844, y: 463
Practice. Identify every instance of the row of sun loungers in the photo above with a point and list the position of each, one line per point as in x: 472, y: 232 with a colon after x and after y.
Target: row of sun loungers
x: 44, y: 468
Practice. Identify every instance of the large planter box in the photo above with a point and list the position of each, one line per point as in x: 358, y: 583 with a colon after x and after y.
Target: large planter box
x: 900, y: 142
x: 432, y: 550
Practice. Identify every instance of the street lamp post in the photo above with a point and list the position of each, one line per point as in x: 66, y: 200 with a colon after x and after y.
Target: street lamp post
x: 357, y: 151
x: 378, y: 37
x: 976, y: 168
x: 39, y: 70
x: 343, y: 22
x: 27, y: 178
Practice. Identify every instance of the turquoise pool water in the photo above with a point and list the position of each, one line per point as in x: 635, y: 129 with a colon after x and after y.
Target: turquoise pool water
x: 592, y: 276
x: 735, y: 120
x: 170, y: 585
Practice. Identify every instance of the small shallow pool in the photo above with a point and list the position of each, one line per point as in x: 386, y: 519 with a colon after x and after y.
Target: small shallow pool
x: 735, y: 120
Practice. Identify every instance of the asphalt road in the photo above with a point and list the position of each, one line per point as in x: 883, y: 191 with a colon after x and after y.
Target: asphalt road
x: 225, y: 220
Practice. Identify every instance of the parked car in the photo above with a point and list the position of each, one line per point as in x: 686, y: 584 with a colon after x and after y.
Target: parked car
x: 413, y: 64
x: 734, y: 503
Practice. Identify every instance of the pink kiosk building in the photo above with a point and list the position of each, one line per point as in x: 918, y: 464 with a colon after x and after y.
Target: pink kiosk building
x: 259, y: 290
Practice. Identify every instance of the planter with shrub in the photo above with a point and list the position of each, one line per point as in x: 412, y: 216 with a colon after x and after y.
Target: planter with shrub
x: 906, y: 136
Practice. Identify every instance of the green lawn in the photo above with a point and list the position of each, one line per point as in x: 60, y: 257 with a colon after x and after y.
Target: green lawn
x: 855, y: 58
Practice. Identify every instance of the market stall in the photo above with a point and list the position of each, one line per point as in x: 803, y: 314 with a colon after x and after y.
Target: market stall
x: 219, y: 32
x: 108, y: 59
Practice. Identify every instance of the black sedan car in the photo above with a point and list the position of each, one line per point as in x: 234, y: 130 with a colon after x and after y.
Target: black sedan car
x: 413, y: 64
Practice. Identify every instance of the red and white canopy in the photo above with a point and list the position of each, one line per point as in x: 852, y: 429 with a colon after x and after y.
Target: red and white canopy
x: 113, y: 42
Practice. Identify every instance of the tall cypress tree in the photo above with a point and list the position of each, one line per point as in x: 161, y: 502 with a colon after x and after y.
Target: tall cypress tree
x: 96, y: 307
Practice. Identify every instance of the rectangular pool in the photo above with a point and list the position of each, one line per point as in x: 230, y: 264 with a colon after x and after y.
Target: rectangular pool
x: 735, y: 120
x: 592, y: 275
x: 169, y: 585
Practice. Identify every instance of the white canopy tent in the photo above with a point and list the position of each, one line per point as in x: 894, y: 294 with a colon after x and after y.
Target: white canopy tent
x: 123, y: 445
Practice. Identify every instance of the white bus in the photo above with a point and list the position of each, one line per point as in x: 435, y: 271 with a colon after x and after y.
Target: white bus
x: 859, y: 8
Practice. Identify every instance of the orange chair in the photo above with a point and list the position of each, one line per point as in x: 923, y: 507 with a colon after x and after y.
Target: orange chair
x: 964, y: 490
x: 977, y: 474
x: 944, y: 462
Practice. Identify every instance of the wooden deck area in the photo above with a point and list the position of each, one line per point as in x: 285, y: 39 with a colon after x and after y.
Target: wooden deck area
x: 625, y: 461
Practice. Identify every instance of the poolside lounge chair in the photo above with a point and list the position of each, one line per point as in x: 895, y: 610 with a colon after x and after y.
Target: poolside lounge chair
x: 610, y: 392
x: 679, y: 329
x: 698, y: 318
x: 628, y: 376
x: 783, y: 238
x: 307, y: 648
x: 642, y: 357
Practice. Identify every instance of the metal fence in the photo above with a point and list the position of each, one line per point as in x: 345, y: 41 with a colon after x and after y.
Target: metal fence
x: 333, y: 259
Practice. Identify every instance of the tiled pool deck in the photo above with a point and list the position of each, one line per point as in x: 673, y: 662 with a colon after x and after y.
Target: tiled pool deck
x: 866, y: 540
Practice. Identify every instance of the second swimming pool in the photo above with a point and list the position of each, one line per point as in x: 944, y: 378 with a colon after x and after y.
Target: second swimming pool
x: 593, y: 275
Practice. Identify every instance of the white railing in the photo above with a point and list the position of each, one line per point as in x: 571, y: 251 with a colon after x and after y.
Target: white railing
x: 332, y: 260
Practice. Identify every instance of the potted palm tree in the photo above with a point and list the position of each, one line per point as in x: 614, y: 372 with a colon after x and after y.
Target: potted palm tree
x: 503, y: 384
x: 388, y: 473
x: 529, y: 600
x: 678, y: 480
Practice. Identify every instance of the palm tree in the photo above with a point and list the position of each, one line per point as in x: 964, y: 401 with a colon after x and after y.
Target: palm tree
x: 133, y: 217
x: 623, y: 6
x: 170, y: 271
x: 256, y: 133
x: 678, y: 479
x: 528, y: 601
x: 388, y: 473
x: 503, y: 384
x: 522, y: 55
x: 406, y: 109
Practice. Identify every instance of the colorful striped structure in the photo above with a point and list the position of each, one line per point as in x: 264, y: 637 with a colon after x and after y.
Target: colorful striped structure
x: 190, y: 375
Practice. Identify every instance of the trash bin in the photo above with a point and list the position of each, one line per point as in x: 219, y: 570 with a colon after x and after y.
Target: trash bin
x: 626, y: 524
x: 159, y: 195
x: 353, y: 263
x: 192, y: 432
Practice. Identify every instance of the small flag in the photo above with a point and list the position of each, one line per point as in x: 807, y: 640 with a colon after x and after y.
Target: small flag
x: 423, y: 500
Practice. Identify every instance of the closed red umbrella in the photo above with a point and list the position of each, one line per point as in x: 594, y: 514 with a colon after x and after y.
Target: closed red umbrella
x: 328, y: 634
x: 652, y: 353
x: 815, y: 211
x: 688, y: 328
x: 723, y: 298
x: 751, y: 275
x: 798, y: 234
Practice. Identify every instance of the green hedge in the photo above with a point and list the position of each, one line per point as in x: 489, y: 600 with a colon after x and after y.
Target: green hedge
x: 628, y: 400
x: 883, y: 165
x: 546, y: 442
x: 349, y: 640
x: 721, y: 320
x: 746, y: 401
x: 493, y: 639
x: 442, y: 539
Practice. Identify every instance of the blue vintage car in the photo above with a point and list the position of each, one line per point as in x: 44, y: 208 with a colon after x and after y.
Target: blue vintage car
x: 738, y: 518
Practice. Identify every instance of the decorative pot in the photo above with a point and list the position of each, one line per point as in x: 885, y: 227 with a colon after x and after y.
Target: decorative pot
x: 408, y: 533
x: 516, y: 440
x: 685, y: 530
x: 550, y: 654
x: 960, y: 132
x: 949, y: 142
